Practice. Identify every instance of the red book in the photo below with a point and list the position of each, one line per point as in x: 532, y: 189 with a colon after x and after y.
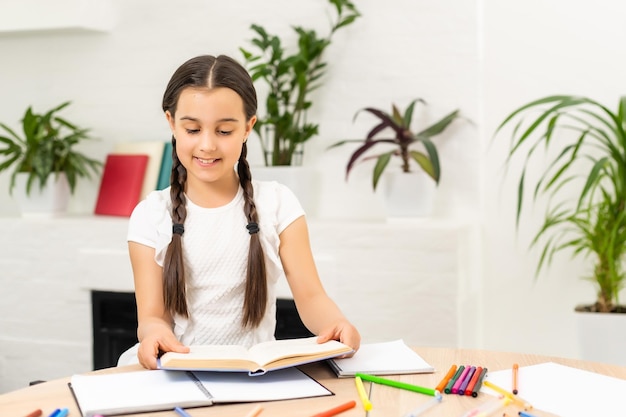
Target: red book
x: 122, y: 180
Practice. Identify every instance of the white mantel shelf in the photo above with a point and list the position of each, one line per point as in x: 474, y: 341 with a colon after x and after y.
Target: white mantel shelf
x: 19, y: 16
x: 411, y: 279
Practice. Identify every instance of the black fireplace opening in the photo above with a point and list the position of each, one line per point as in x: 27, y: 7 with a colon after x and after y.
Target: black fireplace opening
x: 114, y: 318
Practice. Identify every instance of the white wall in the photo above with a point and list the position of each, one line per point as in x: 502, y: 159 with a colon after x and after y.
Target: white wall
x: 533, y: 49
x: 482, y: 56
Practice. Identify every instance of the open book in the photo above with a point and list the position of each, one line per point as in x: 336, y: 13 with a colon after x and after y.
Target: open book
x: 258, y: 359
x: 142, y: 391
x: 386, y: 358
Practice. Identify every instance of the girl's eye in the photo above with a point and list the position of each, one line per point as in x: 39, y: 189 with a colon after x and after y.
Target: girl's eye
x: 192, y: 131
x: 224, y: 132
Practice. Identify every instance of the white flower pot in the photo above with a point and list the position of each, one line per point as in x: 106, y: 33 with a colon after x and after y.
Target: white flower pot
x: 49, y: 201
x: 602, y: 337
x: 409, y: 194
x: 301, y: 180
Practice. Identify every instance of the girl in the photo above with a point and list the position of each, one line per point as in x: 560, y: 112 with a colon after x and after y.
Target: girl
x: 207, y: 252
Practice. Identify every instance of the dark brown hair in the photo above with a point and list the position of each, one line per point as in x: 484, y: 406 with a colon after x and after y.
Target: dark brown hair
x: 211, y: 72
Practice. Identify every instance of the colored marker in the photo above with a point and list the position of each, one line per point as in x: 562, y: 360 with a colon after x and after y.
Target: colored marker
x: 255, y: 411
x: 63, y: 412
x: 492, y: 408
x: 514, y: 373
x: 334, y: 411
x: 472, y: 383
x: 465, y: 383
x: 35, y: 413
x: 181, y: 412
x: 488, y: 408
x: 398, y: 384
x: 444, y: 381
x: 367, y: 405
x: 421, y: 409
x: 525, y: 414
x: 448, y: 388
x: 479, y: 383
x: 508, y: 394
x: 457, y: 384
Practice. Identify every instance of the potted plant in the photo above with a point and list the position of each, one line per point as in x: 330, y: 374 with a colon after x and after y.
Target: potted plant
x: 290, y: 77
x: 393, y: 132
x: 44, y: 155
x: 584, y: 185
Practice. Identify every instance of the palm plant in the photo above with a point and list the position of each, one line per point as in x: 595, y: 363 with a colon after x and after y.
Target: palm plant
x: 591, y: 143
x: 401, y: 140
x: 290, y: 79
x: 45, y: 148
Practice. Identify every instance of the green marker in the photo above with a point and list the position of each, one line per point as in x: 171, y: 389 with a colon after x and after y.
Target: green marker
x: 448, y: 388
x: 398, y: 384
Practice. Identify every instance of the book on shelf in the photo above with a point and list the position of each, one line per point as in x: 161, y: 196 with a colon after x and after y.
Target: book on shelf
x: 166, y: 167
x: 121, y: 183
x: 385, y: 358
x: 154, y: 149
x: 258, y: 359
x: 156, y: 390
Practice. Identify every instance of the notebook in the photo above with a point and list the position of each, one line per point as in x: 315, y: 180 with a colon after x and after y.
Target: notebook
x: 385, y: 358
x: 120, y: 187
x: 157, y: 390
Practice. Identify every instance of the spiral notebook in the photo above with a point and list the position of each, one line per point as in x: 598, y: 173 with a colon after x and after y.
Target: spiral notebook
x: 143, y: 391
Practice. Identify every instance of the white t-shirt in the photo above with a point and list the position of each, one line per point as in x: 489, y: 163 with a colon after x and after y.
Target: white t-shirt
x: 215, y: 248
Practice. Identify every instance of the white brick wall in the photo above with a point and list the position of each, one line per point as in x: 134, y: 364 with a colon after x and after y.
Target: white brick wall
x: 393, y: 280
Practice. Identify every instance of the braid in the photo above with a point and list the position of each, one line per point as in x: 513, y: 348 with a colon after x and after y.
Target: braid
x: 255, y: 301
x: 174, y: 292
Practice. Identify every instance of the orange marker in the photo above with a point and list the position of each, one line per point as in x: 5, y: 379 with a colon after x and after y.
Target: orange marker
x: 515, y: 369
x: 446, y: 378
x: 35, y: 413
x: 334, y: 411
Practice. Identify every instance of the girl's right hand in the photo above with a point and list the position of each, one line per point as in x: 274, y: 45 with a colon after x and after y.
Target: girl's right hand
x: 150, y: 348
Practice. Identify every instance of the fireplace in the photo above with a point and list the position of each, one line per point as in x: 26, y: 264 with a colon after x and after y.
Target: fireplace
x: 115, y: 324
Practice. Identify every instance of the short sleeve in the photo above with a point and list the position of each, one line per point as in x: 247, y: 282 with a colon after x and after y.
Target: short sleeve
x: 140, y: 229
x: 150, y: 223
x: 289, y: 207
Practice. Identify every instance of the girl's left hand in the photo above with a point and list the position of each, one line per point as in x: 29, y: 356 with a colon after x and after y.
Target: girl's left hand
x: 344, y: 332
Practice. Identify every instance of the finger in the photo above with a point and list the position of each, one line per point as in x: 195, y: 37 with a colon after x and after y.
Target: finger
x: 147, y: 355
x: 171, y: 344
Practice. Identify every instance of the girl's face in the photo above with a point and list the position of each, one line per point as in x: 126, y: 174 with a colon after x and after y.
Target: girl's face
x: 210, y: 128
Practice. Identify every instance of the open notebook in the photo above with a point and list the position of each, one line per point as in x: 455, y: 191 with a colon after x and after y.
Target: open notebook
x: 385, y: 358
x: 141, y: 391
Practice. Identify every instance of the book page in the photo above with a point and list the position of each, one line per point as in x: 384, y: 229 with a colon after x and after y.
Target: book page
x: 282, y: 384
x: 130, y: 392
x: 210, y: 356
x: 288, y: 351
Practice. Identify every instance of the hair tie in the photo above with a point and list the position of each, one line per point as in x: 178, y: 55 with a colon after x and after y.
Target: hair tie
x: 178, y: 229
x: 252, y: 228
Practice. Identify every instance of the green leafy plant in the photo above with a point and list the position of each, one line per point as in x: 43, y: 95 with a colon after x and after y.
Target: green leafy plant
x: 394, y: 130
x: 290, y: 78
x: 46, y: 148
x: 584, y: 184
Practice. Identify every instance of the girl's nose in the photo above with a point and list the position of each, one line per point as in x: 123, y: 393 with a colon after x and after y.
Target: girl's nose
x: 208, y: 142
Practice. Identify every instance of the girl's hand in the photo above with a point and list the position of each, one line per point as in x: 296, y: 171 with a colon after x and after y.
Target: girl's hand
x: 150, y: 348
x: 344, y: 332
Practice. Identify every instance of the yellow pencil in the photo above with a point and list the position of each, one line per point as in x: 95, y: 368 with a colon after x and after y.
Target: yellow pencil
x: 367, y: 405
